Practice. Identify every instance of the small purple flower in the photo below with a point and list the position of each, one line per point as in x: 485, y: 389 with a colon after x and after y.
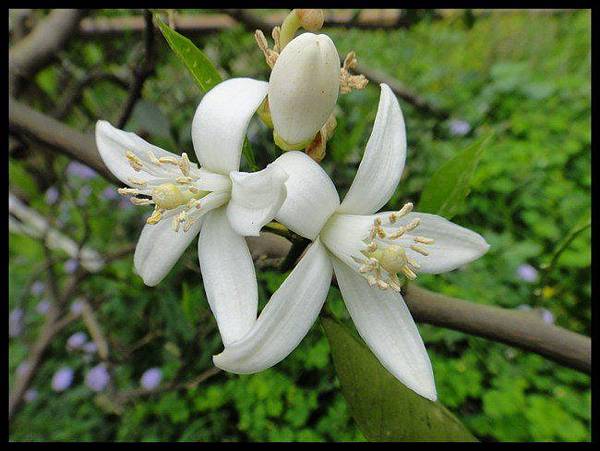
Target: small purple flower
x: 62, y: 379
x: 23, y: 368
x: 71, y: 265
x: 30, y: 395
x: 97, y: 378
x: 84, y: 193
x: 459, y: 127
x: 37, y: 287
x: 43, y: 307
x: 15, y: 322
x: 90, y: 347
x: 110, y: 194
x: 527, y: 273
x: 124, y: 204
x: 76, y: 341
x: 547, y: 316
x: 77, y: 169
x: 76, y: 307
x: 151, y: 378
x: 51, y: 195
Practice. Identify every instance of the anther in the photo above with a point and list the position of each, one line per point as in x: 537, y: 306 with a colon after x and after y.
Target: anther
x: 140, y: 201
x: 184, y: 164
x: 152, y: 157
x: 382, y: 285
x: 137, y: 182
x: 134, y: 161
x: 412, y: 224
x: 155, y: 217
x: 419, y: 249
x: 371, y: 247
x: 424, y: 240
x: 407, y: 208
x: 409, y: 273
x: 184, y: 180
x: 169, y: 160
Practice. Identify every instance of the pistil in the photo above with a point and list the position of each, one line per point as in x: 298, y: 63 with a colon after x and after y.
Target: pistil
x: 383, y: 261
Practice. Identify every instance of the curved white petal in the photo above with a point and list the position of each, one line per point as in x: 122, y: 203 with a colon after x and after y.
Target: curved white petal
x: 113, y: 145
x: 383, y: 161
x: 311, y: 195
x: 454, y: 246
x: 286, y: 318
x: 385, y: 324
x: 228, y: 275
x: 345, y: 236
x: 221, y: 121
x: 158, y: 249
x: 255, y: 198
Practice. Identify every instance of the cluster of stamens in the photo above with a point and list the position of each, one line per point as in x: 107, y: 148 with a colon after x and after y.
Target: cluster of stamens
x: 180, y: 191
x: 348, y: 82
x: 383, y: 261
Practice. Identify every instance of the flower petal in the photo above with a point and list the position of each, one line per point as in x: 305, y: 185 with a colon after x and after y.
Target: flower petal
x: 159, y: 248
x: 221, y: 121
x: 113, y: 145
x: 255, y: 198
x: 286, y: 318
x: 386, y: 325
x: 228, y: 275
x: 383, y: 161
x: 311, y: 195
x: 454, y: 246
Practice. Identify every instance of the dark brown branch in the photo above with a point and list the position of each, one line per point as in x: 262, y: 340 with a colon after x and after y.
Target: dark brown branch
x: 58, y: 136
x: 40, y: 46
x: 376, y: 77
x: 208, y: 23
x: 142, y: 71
x: 511, y: 327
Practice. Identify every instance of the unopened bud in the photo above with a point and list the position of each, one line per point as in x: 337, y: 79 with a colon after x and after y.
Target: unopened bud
x: 310, y: 19
x: 303, y: 88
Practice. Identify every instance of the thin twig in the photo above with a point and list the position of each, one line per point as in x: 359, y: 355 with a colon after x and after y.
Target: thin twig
x: 40, y: 46
x: 141, y: 72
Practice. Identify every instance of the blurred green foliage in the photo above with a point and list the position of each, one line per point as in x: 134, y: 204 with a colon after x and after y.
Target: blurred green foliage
x: 523, y: 76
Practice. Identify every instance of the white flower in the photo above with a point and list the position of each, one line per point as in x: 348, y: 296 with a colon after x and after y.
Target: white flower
x: 303, y: 89
x: 225, y: 203
x: 370, y: 254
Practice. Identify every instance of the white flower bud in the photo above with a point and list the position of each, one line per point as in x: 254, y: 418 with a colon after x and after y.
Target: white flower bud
x: 303, y: 89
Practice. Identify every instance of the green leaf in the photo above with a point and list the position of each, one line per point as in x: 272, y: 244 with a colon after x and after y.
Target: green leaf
x: 385, y: 409
x: 449, y: 186
x: 204, y: 72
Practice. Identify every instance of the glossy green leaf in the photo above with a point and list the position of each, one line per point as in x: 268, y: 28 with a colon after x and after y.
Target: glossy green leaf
x: 383, y: 407
x: 449, y: 186
x: 204, y: 72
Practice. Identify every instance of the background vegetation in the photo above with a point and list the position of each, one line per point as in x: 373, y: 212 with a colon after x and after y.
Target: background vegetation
x: 523, y: 75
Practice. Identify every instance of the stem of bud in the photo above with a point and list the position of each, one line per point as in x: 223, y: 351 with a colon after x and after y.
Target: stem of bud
x: 309, y: 19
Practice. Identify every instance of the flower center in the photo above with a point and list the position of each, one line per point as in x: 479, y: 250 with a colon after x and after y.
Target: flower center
x: 384, y: 260
x: 168, y: 196
x: 176, y: 189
